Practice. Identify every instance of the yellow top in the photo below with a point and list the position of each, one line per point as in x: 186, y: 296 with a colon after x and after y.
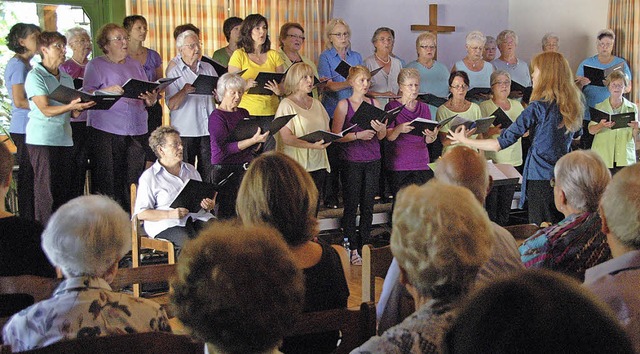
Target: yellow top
x: 257, y: 105
x: 473, y: 113
x: 615, y: 145
x: 513, y: 154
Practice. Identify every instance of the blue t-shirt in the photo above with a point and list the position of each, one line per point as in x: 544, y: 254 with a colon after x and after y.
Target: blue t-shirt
x: 327, y: 63
x: 596, y: 94
x: 43, y: 130
x: 15, y: 73
x: 548, y: 142
x: 434, y: 81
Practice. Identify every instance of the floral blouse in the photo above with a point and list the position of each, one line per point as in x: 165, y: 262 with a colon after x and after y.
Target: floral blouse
x: 82, y: 307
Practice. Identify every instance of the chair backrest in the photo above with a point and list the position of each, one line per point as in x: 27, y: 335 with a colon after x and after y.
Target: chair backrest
x: 19, y: 292
x: 138, y: 343
x: 356, y: 325
x: 141, y: 275
x: 140, y: 240
x: 522, y: 231
x: 375, y: 263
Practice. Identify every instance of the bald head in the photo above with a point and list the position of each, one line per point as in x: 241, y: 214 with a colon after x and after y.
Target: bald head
x: 463, y: 166
x: 620, y: 207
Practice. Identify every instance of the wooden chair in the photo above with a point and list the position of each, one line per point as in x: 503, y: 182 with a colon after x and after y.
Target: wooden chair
x: 356, y: 325
x: 522, y: 231
x: 375, y: 263
x: 22, y: 291
x: 137, y: 343
x: 139, y: 240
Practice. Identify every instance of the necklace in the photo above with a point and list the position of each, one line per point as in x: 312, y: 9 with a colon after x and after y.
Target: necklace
x: 382, y: 61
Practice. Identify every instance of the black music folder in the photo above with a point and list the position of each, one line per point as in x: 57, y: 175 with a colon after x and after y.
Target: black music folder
x: 368, y: 112
x: 502, y: 118
x: 622, y: 119
x: 133, y: 88
x: 262, y: 79
x: 64, y: 94
x: 432, y: 99
x: 219, y: 68
x: 597, y: 75
x: 420, y: 124
x: 327, y: 136
x: 526, y: 91
x: 247, y: 127
x: 204, y: 85
x: 477, y: 92
x: 343, y: 69
x: 192, y: 193
x: 481, y: 125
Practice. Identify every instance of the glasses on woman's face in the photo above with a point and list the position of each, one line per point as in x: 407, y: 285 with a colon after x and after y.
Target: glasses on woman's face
x: 193, y: 46
x: 616, y: 86
x: 502, y: 83
x: 341, y: 35
x: 80, y: 41
x: 459, y: 87
x: 296, y: 36
x: 119, y: 39
x: 432, y: 47
x: 60, y: 46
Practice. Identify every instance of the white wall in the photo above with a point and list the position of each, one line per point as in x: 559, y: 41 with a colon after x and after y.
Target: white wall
x: 575, y: 21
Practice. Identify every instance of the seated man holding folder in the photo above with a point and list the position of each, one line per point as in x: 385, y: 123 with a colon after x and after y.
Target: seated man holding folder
x: 161, y: 184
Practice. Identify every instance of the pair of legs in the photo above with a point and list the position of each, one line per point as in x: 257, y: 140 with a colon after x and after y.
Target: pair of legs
x: 541, y: 205
x: 360, y: 182
x: 198, y: 147
x: 26, y: 208
x: 227, y: 194
x: 178, y: 235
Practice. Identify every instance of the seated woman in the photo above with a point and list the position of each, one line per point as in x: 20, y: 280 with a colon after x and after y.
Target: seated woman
x: 277, y: 191
x: 229, y: 156
x: 535, y: 312
x: 310, y: 117
x: 616, y: 147
x: 220, y: 292
x: 439, y: 246
x: 577, y: 242
x: 20, y: 251
x: 159, y: 186
x: 85, y: 238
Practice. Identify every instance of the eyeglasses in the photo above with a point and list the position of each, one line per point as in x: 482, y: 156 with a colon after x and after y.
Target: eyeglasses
x: 432, y: 47
x: 616, y: 86
x: 174, y: 145
x: 459, y: 87
x: 605, y: 45
x: 296, y: 36
x: 552, y: 182
x: 340, y: 35
x: 81, y: 41
x: 502, y: 83
x: 385, y: 39
x: 476, y: 48
x: 193, y: 46
x: 119, y: 39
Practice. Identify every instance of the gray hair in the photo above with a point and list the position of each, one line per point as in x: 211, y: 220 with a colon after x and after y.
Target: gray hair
x: 502, y: 37
x: 182, y: 36
x: 328, y: 29
x: 159, y: 137
x: 440, y: 244
x: 87, y: 235
x: 490, y: 40
x: 606, y: 33
x: 620, y: 206
x: 75, y: 32
x: 475, y: 36
x: 549, y: 36
x: 497, y: 73
x: 583, y: 177
x: 380, y: 30
x: 229, y: 81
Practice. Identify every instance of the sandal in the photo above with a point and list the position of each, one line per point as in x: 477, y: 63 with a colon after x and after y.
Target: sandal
x: 355, y: 258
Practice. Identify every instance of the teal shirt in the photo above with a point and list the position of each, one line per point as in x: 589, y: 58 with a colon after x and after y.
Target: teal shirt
x: 43, y: 130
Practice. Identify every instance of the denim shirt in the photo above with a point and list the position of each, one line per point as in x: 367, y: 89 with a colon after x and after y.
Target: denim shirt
x: 327, y: 63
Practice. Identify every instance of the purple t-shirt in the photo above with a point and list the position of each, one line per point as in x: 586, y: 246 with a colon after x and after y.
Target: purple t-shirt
x: 128, y: 116
x: 75, y: 70
x: 358, y: 150
x: 408, y: 152
x: 153, y: 62
x: 223, y: 151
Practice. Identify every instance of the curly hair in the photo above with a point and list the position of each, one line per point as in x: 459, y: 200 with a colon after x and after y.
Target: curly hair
x: 442, y: 243
x: 104, y: 32
x: 17, y: 32
x: 277, y: 191
x: 238, y: 288
x: 159, y: 137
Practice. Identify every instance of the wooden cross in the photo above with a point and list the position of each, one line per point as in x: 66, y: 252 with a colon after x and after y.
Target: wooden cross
x: 433, y: 23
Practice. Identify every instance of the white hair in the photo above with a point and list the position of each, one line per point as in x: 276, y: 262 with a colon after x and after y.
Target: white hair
x: 229, y: 81
x: 75, y: 32
x: 583, y: 177
x: 87, y: 235
x: 549, y: 36
x: 475, y: 36
x: 182, y: 36
x: 502, y: 37
x: 441, y: 236
x: 621, y: 206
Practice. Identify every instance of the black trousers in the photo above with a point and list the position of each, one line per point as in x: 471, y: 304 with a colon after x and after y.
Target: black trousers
x: 198, y: 147
x: 332, y: 181
x: 228, y: 193
x: 119, y: 161
x: 360, y: 182
x: 540, y: 202
x: 154, y: 120
x: 178, y: 235
x: 52, y: 167
x: 401, y: 179
x: 79, y: 156
x: 498, y: 203
x: 26, y: 208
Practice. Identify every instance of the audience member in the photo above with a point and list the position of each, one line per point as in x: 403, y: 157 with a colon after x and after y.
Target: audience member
x: 160, y: 184
x: 616, y: 281
x: 577, y: 242
x: 535, y: 312
x: 463, y: 167
x: 20, y: 251
x: 554, y: 115
x: 439, y: 245
x: 238, y: 289
x: 85, y: 238
x: 277, y: 191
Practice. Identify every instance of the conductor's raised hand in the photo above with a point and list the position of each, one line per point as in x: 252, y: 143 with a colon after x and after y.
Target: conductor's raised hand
x: 459, y: 135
